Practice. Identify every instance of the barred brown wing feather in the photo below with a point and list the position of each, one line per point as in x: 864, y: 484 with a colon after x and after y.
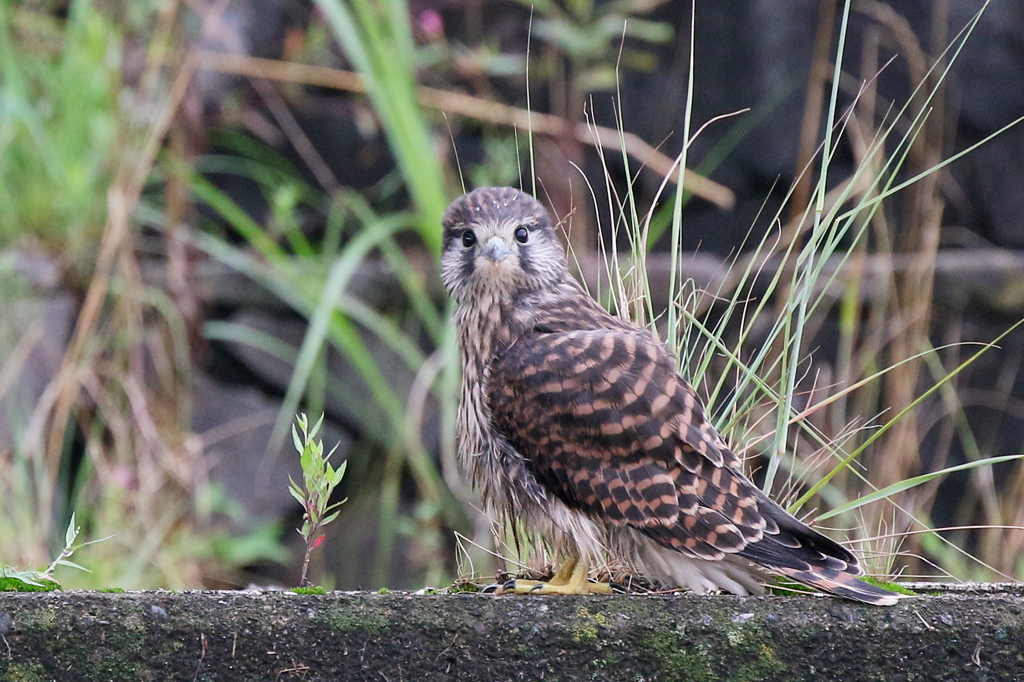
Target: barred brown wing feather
x: 607, y: 425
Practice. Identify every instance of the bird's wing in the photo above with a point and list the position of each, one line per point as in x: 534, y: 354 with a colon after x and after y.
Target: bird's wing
x: 608, y: 426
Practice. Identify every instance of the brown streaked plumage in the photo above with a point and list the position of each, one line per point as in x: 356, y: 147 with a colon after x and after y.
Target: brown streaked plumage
x: 578, y: 424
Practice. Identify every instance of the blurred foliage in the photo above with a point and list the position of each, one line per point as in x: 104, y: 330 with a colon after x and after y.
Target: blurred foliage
x: 603, y: 40
x: 61, y: 124
x: 107, y: 441
x: 125, y: 462
x: 376, y: 36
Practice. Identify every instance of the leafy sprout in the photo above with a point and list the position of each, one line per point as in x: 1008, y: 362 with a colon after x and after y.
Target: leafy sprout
x: 319, y: 479
x: 31, y: 580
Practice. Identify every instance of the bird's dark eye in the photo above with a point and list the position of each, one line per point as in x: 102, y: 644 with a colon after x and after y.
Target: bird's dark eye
x: 522, y: 234
x: 468, y: 239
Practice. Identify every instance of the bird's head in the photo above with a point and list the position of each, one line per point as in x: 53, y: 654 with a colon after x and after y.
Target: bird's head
x: 499, y: 240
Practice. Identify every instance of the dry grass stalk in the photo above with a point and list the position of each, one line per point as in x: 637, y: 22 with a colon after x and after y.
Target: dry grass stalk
x: 478, y: 109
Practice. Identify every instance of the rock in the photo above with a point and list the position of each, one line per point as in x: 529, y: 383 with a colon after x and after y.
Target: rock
x: 359, y: 636
x: 34, y: 333
x: 348, y: 398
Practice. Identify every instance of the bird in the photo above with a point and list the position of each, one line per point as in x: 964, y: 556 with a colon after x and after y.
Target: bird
x: 577, y: 424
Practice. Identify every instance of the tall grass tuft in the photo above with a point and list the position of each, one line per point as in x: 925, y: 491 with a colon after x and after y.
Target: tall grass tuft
x: 834, y: 433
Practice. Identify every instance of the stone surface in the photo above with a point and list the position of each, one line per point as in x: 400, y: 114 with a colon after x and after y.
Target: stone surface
x: 955, y: 635
x: 348, y: 399
x: 34, y: 332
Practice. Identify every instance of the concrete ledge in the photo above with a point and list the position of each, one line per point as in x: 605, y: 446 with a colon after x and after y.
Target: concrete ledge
x: 958, y: 634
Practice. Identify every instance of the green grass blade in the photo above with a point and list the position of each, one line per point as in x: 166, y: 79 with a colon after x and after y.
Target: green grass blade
x: 380, y: 47
x: 877, y: 434
x: 909, y: 483
x: 340, y: 275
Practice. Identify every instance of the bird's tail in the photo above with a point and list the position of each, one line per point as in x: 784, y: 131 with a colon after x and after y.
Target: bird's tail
x: 842, y: 584
x: 792, y: 549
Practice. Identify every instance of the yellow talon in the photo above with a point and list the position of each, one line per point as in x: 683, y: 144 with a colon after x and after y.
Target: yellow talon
x: 571, y: 578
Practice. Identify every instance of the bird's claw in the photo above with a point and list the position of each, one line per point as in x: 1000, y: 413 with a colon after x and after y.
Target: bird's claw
x: 540, y: 587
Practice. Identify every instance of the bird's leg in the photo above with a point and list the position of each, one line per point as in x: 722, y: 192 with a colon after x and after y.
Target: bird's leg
x: 571, y: 578
x: 563, y: 576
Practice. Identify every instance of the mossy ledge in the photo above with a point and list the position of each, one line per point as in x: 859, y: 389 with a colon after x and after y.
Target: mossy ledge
x: 950, y: 634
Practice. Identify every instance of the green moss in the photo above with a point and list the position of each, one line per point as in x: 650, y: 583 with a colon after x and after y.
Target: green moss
x: 128, y: 640
x: 312, y: 589
x: 758, y: 658
x: 641, y: 610
x: 766, y: 665
x: 678, y: 664
x: 891, y: 587
x: 584, y: 628
x: 41, y: 618
x: 112, y: 666
x: 368, y: 618
x: 16, y: 585
x: 787, y: 588
x: 718, y: 645
x: 113, y: 590
x: 428, y: 620
x: 25, y: 672
x: 114, y: 658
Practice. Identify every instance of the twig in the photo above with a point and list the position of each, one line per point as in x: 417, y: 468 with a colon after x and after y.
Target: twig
x: 202, y: 655
x: 472, y: 107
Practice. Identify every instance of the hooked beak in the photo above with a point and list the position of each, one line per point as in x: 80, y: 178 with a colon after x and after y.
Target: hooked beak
x: 495, y: 249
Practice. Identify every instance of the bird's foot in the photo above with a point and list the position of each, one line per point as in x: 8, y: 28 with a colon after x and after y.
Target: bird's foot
x: 541, y: 587
x: 571, y: 578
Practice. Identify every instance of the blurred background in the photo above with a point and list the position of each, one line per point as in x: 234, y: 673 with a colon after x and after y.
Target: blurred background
x: 214, y: 214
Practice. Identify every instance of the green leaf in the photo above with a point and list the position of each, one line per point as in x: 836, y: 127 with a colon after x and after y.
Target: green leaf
x: 71, y: 533
x: 71, y: 564
x: 338, y: 474
x: 296, y: 491
x: 316, y: 428
x: 312, y: 589
x: 336, y: 505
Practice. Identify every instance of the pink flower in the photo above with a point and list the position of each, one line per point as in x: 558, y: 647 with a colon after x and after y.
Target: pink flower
x: 431, y: 24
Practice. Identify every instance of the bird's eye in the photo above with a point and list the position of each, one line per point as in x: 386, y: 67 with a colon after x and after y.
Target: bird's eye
x: 468, y: 239
x: 522, y: 234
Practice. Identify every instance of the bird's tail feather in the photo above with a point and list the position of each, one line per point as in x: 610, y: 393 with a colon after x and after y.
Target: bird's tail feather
x: 842, y: 584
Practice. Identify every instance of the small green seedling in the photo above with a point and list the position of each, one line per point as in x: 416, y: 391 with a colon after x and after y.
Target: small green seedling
x: 319, y: 479
x: 31, y: 580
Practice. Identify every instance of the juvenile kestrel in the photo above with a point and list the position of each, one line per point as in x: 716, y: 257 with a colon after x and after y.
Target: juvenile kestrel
x: 578, y: 424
